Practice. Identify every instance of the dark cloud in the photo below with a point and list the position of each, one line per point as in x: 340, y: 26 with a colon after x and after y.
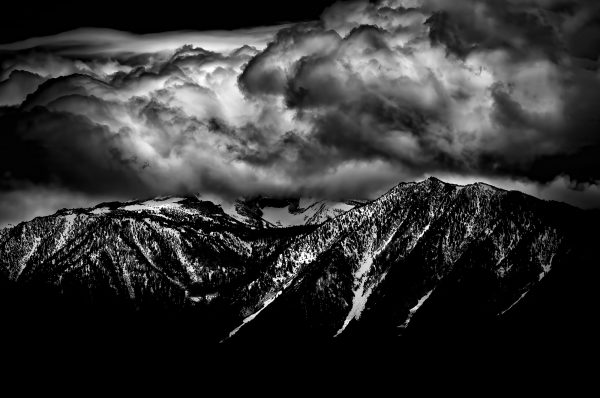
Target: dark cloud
x: 371, y: 94
x: 485, y: 87
x: 54, y: 148
x: 15, y: 88
x: 464, y: 26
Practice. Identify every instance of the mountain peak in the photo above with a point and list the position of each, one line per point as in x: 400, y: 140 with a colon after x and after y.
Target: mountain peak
x: 434, y: 179
x: 481, y: 186
x: 433, y: 182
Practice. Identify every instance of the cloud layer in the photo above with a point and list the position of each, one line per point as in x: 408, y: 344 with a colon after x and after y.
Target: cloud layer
x: 371, y: 94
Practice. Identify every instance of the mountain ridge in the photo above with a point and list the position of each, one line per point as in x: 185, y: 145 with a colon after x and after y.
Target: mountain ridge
x: 371, y: 270
x: 356, y: 203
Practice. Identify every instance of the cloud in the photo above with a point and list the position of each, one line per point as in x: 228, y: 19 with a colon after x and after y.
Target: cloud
x: 550, y: 27
x: 27, y: 202
x: 477, y: 87
x: 95, y: 42
x: 347, y: 106
x: 17, y: 86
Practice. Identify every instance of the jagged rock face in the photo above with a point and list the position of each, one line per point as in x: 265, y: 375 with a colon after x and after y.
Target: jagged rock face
x: 377, y: 269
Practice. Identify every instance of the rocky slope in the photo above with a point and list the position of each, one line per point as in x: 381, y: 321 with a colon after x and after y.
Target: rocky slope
x: 423, y: 258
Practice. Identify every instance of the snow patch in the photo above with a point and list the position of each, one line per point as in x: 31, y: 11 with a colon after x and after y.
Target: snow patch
x: 359, y: 301
x: 254, y: 315
x: 100, y: 210
x: 515, y: 303
x: 154, y: 204
x: 207, y: 297
x: 282, y: 217
x: 414, y: 309
x: 266, y: 303
x: 361, y: 292
x: 422, y: 233
x: 310, y: 211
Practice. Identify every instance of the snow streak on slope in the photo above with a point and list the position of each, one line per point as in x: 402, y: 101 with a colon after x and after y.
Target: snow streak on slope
x: 255, y: 314
x: 515, y: 303
x: 359, y: 301
x: 361, y: 295
x: 414, y: 309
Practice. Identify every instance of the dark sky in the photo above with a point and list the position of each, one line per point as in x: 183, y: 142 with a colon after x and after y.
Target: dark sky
x: 25, y: 19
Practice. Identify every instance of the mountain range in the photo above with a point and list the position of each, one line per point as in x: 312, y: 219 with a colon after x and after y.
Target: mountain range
x: 428, y: 262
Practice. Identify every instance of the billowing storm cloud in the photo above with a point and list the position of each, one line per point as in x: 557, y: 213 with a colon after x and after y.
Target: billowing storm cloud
x: 370, y: 95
